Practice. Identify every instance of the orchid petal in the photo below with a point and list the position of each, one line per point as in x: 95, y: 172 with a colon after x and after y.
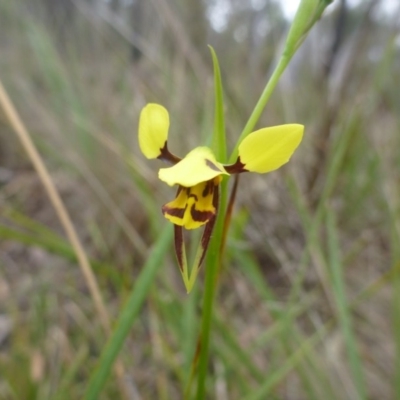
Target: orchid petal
x: 153, y: 130
x: 268, y: 149
x: 198, y: 166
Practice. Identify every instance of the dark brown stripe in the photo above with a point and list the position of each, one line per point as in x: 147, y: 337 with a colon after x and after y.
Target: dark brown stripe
x: 174, y: 212
x: 208, y: 189
x: 201, y: 216
x: 208, y: 230
x: 166, y: 155
x: 179, y: 245
x: 236, y: 168
x: 194, y: 196
x: 212, y: 166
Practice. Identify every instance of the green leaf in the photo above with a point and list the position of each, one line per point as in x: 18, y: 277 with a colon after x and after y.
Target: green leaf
x: 218, y: 144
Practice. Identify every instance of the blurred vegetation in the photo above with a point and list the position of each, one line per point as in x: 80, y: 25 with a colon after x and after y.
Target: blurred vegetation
x: 309, y: 301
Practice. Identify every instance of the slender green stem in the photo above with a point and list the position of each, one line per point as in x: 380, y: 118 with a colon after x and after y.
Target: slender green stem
x: 262, y: 102
x: 213, y: 256
x: 214, y: 253
x: 210, y: 290
x: 213, y: 261
x: 307, y: 15
x: 304, y: 19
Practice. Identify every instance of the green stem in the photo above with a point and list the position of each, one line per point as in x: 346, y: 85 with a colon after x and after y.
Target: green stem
x: 213, y: 261
x: 307, y: 15
x: 213, y: 256
x: 214, y: 252
x: 262, y: 102
x: 210, y: 290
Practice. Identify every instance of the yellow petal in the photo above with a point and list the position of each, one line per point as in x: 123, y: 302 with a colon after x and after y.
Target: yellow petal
x: 153, y: 130
x: 268, y: 149
x: 174, y: 211
x: 198, y: 166
x: 193, y: 207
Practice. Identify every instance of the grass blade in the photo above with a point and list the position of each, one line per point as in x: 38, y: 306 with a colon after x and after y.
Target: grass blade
x: 219, y: 137
x: 343, y: 307
x: 129, y: 314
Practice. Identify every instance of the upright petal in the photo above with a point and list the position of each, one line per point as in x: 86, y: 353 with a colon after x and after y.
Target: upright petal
x: 153, y: 130
x: 268, y: 149
x: 198, y: 166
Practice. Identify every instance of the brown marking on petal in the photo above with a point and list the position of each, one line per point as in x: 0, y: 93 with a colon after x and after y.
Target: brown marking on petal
x: 208, y: 230
x: 236, y: 168
x: 194, y: 196
x: 174, y: 212
x: 178, y: 231
x: 166, y: 155
x: 216, y: 198
x: 205, y: 239
x: 208, y: 189
x: 212, y: 165
x: 190, y: 194
x: 201, y: 216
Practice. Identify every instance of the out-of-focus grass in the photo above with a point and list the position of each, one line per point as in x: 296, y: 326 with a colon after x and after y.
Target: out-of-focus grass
x: 293, y: 319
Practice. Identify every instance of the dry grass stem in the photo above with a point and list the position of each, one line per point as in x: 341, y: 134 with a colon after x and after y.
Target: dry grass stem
x: 62, y: 213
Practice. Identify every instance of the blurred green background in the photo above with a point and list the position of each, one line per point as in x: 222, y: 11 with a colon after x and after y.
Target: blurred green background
x: 309, y: 299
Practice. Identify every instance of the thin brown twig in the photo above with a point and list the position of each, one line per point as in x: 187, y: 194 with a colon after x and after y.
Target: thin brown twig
x: 65, y: 220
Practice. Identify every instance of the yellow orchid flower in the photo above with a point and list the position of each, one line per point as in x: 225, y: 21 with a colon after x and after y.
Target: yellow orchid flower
x: 199, y: 174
